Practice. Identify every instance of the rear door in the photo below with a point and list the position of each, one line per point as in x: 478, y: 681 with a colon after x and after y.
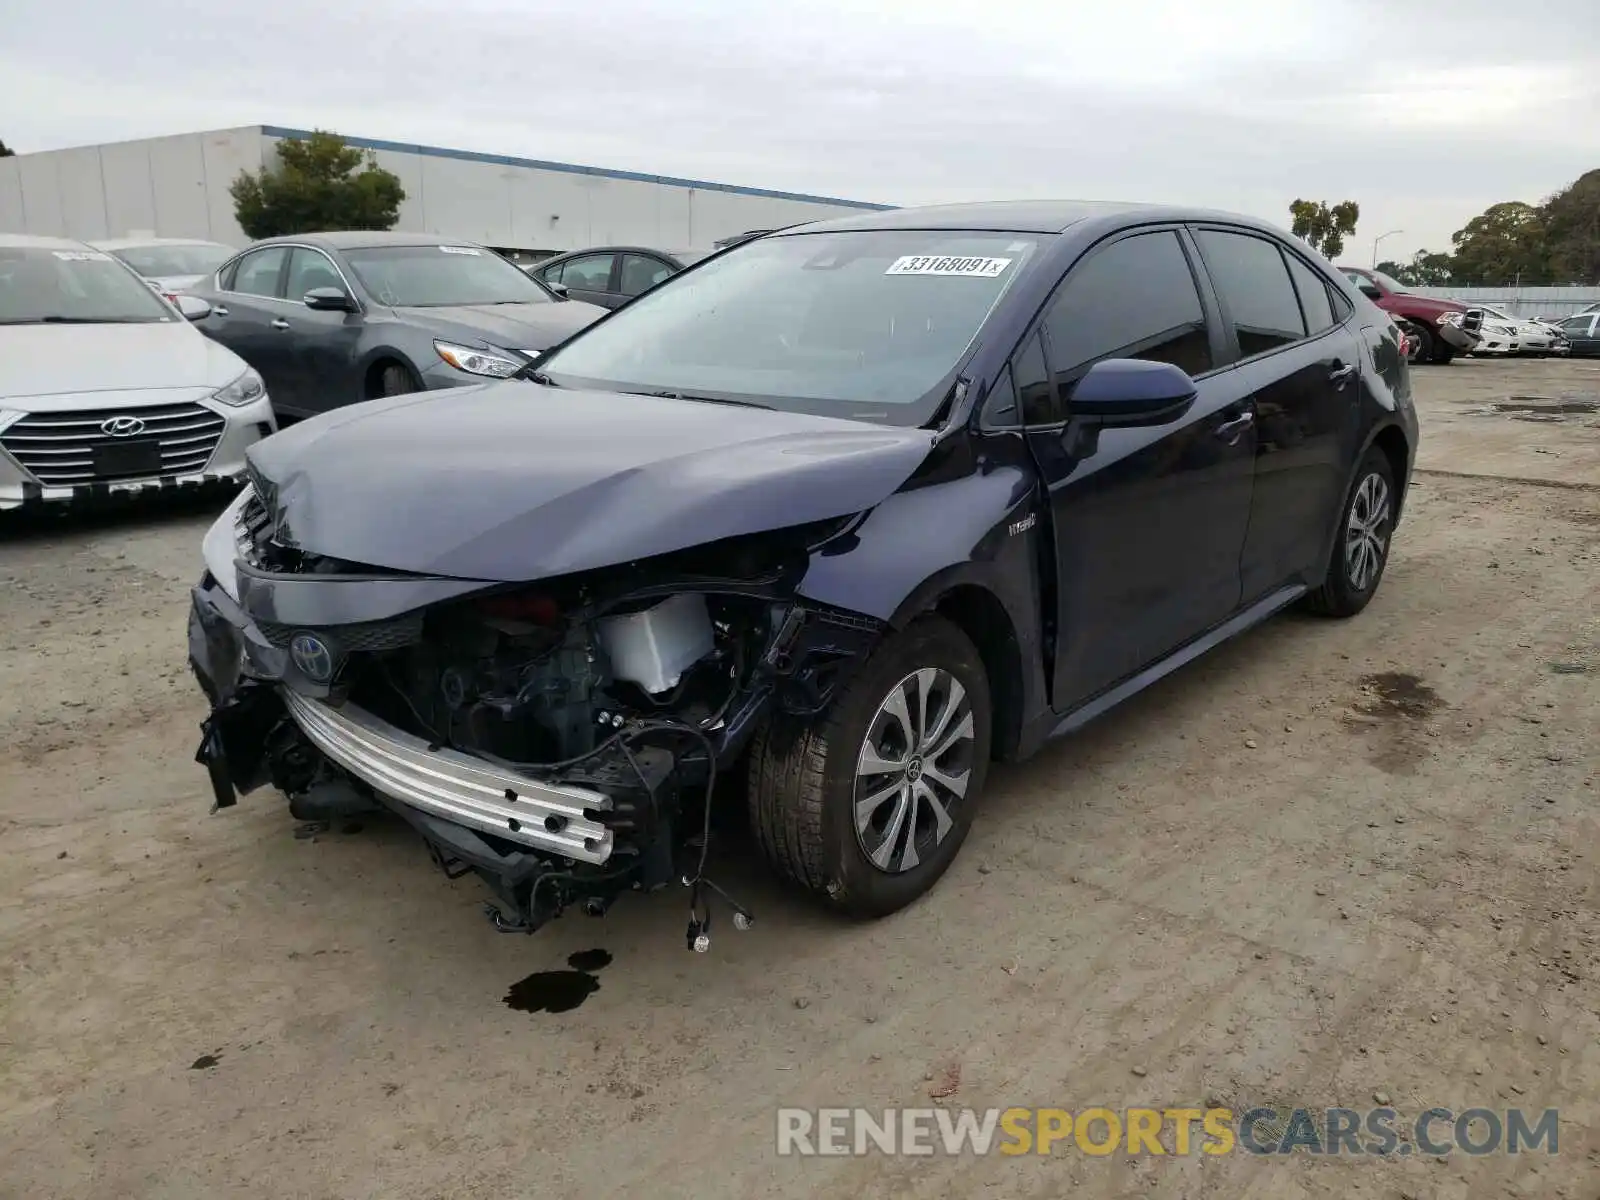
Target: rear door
x: 318, y: 348
x: 1149, y: 524
x: 244, y: 310
x: 591, y: 277
x: 1581, y: 334
x: 1299, y: 365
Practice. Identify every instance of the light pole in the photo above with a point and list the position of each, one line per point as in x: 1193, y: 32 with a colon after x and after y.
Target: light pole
x: 1377, y: 241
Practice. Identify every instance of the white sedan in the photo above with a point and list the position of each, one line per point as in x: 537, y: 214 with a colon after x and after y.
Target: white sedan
x: 1513, y: 335
x: 105, y: 388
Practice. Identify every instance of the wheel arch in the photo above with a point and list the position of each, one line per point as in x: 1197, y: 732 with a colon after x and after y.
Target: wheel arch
x: 373, y: 364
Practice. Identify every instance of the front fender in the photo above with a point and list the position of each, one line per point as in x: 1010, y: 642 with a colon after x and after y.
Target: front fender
x: 924, y: 545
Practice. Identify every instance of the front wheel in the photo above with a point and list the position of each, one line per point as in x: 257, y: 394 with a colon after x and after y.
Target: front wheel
x: 867, y: 805
x: 1419, y: 343
x: 1361, y: 550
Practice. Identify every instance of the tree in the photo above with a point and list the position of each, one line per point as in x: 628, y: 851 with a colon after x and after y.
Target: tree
x: 1504, y: 244
x: 6, y: 151
x: 1324, y: 229
x: 1571, y: 226
x: 318, y: 183
x: 1427, y: 268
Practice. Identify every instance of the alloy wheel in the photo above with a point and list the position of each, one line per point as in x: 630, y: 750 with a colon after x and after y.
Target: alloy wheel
x: 913, y: 770
x: 1367, y: 532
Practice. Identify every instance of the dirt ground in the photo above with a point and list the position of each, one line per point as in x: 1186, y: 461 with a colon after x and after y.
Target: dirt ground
x: 1329, y: 861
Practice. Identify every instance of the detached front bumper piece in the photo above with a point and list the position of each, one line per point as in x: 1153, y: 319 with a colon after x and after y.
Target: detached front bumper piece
x: 456, y: 787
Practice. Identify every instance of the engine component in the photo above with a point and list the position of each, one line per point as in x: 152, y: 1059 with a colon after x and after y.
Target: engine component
x: 655, y: 646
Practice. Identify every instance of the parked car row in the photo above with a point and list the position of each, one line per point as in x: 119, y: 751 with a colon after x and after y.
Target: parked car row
x: 1436, y: 330
x: 610, y: 276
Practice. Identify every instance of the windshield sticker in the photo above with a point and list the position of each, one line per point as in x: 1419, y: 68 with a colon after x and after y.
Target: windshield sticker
x: 81, y: 256
x: 937, y: 264
x: 460, y: 250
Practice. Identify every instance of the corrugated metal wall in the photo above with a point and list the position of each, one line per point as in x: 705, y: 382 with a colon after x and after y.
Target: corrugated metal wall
x: 178, y: 187
x: 166, y: 187
x: 1523, y: 302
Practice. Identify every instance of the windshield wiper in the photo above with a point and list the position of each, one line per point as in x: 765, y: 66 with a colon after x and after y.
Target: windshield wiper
x: 670, y: 394
x: 56, y: 319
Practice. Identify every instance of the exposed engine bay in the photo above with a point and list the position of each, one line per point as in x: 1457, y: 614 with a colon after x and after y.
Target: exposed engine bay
x: 563, y: 740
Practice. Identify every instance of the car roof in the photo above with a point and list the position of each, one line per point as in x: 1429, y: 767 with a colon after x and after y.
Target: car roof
x: 656, y: 250
x: 130, y: 243
x: 1021, y: 216
x: 357, y: 239
x: 29, y: 241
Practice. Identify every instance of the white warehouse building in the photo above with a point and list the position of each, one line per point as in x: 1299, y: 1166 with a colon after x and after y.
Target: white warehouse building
x: 178, y: 187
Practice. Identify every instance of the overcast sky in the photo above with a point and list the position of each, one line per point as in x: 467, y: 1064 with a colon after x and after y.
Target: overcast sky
x: 1423, y: 113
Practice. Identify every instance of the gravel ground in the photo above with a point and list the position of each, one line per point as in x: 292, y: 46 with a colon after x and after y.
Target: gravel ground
x: 1329, y: 861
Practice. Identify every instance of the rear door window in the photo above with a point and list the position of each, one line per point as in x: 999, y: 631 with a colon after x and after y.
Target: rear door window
x: 1135, y: 298
x: 1253, y: 285
x: 1313, y: 292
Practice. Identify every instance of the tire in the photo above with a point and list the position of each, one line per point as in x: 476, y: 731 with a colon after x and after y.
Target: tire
x: 1354, y: 574
x: 1419, y: 343
x: 397, y: 379
x: 1442, y: 354
x: 804, y: 776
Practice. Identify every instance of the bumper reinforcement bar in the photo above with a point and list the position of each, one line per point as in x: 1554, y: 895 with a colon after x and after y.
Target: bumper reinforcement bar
x: 454, y: 786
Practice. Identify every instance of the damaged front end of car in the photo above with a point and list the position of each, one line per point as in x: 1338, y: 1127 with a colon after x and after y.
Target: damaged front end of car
x: 564, y: 738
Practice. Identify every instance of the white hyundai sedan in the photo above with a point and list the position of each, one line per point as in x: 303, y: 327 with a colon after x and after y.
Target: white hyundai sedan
x: 105, y: 388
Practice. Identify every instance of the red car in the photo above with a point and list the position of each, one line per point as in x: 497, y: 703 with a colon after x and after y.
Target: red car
x: 1436, y: 330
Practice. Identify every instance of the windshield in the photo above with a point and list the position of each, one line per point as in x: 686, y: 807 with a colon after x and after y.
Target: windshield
x: 435, y: 276
x: 1390, y: 284
x: 867, y: 324
x: 41, y: 286
x: 181, y: 258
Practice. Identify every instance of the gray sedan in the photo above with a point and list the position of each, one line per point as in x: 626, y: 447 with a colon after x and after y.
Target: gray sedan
x: 335, y: 318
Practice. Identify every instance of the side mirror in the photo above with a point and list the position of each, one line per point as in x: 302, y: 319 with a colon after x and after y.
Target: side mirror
x: 329, y: 299
x: 193, y: 307
x: 1131, y: 393
x: 560, y: 289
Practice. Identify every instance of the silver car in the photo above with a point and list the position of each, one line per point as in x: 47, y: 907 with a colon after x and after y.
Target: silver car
x: 170, y: 265
x: 105, y: 388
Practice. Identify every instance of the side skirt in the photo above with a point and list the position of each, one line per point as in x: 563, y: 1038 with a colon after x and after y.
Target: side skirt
x: 1187, y: 653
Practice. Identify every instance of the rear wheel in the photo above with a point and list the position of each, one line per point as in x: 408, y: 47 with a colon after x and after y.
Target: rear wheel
x: 1361, y: 549
x: 868, y: 804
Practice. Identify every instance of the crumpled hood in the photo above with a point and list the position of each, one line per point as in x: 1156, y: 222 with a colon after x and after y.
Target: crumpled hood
x: 509, y: 326
x: 516, y: 481
x: 46, y: 360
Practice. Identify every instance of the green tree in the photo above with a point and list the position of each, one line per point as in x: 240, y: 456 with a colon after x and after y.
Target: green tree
x: 1504, y: 244
x: 318, y: 183
x: 1322, y: 228
x: 1427, y: 268
x: 1571, y: 226
x: 6, y: 151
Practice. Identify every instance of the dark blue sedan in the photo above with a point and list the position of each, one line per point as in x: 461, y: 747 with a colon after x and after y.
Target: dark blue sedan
x: 855, y: 508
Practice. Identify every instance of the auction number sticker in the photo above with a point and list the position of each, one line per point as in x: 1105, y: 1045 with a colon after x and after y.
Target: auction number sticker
x: 944, y: 264
x: 460, y: 250
x: 81, y: 256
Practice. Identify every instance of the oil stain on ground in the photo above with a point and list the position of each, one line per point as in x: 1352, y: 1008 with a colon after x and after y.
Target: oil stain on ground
x: 1393, y: 706
x: 559, y: 991
x: 1398, y: 694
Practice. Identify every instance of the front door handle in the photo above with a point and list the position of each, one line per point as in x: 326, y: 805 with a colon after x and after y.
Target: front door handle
x: 280, y: 323
x: 218, y: 310
x: 1232, y: 431
x: 1340, y: 375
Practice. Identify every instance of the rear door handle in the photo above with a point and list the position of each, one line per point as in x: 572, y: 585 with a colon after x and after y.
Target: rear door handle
x: 1232, y: 431
x: 1340, y: 374
x: 280, y: 323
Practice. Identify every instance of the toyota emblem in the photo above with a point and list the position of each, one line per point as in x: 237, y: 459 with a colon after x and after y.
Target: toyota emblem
x: 120, y: 427
x: 312, y: 655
